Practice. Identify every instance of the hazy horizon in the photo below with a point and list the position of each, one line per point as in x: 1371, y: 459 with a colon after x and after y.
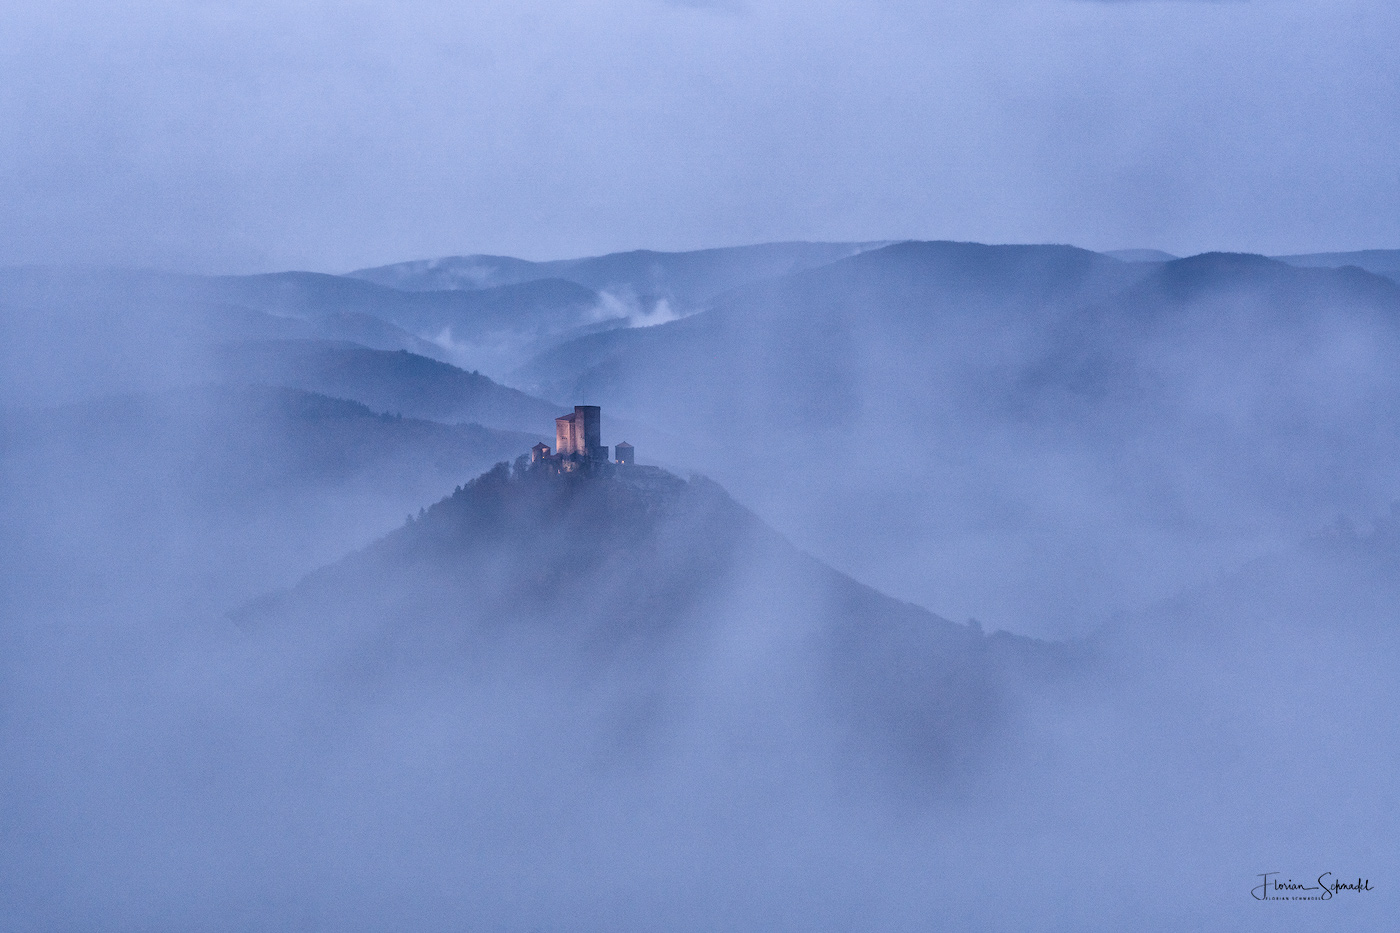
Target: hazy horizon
x: 255, y: 136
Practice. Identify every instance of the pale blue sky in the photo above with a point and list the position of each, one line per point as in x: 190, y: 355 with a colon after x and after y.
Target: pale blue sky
x: 258, y: 135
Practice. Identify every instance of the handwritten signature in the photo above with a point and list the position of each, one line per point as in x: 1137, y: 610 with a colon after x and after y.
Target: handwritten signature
x: 1326, y: 888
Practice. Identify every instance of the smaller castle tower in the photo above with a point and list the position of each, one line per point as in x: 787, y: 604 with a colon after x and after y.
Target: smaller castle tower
x: 624, y: 452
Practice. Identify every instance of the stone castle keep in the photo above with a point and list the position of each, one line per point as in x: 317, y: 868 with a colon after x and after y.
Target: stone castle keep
x: 578, y: 443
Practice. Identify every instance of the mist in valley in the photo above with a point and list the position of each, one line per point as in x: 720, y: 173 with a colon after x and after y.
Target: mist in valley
x: 965, y: 579
x: 242, y: 691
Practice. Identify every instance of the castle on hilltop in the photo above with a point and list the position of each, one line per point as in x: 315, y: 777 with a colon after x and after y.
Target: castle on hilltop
x: 578, y: 443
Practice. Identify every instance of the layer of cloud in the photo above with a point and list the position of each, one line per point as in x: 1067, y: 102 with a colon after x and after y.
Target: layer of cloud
x: 251, y: 136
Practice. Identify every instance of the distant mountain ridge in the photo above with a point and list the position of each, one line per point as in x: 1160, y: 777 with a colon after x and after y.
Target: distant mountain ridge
x: 1141, y: 255
x: 1212, y: 398
x: 877, y: 290
x: 1384, y: 262
x: 397, y: 382
x: 66, y: 335
x: 534, y: 303
x: 688, y: 278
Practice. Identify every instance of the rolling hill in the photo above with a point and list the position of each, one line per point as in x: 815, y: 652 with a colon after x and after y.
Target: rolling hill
x: 685, y: 279
x: 399, y: 382
x: 192, y: 495
x: 1384, y: 262
x: 642, y: 581
x: 966, y: 400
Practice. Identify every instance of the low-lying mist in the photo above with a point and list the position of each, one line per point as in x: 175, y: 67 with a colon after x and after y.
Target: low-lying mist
x: 238, y: 690
x: 353, y: 763
x: 1037, y: 436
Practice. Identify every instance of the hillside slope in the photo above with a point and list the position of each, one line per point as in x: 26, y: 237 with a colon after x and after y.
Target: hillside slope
x: 398, y: 382
x: 68, y: 334
x: 211, y: 494
x: 642, y: 579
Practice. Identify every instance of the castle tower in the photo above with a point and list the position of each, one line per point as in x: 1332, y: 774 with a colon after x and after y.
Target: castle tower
x: 580, y: 433
x: 589, y: 420
x: 624, y: 452
x: 565, y: 431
